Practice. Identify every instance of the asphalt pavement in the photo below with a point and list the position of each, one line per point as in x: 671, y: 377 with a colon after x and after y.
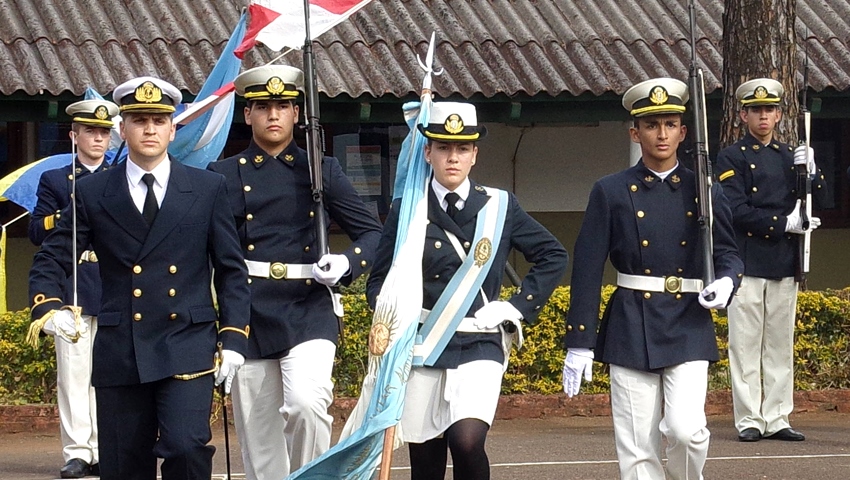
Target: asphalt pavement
x: 547, y: 449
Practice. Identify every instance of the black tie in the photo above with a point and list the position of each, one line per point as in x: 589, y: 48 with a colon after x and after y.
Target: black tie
x: 452, y: 199
x: 151, y: 207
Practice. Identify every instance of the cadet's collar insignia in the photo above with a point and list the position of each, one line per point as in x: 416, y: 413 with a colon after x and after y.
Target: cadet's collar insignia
x: 258, y: 159
x: 289, y: 157
x: 755, y: 147
x: 148, y: 93
x: 101, y: 113
x: 658, y: 96
x: 775, y: 146
x: 78, y: 170
x: 454, y: 124
x: 275, y: 86
x: 648, y: 178
x: 479, y: 188
x: 675, y: 178
x: 760, y: 92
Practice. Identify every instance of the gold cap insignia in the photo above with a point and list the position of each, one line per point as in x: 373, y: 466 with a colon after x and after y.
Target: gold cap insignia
x: 148, y: 93
x: 101, y: 113
x: 658, y: 96
x: 454, y: 124
x: 760, y: 92
x: 675, y: 179
x: 289, y: 157
x: 483, y: 250
x: 275, y: 86
x: 258, y: 159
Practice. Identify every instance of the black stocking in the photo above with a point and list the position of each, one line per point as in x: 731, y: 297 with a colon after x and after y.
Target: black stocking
x: 466, y: 441
x: 428, y: 460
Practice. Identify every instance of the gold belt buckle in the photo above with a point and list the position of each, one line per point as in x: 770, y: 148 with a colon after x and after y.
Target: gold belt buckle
x: 277, y: 270
x: 673, y: 284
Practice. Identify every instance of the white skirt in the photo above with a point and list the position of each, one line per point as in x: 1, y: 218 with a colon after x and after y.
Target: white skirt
x: 437, y: 398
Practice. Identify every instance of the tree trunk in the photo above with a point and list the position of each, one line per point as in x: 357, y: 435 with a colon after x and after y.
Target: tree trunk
x: 759, y: 40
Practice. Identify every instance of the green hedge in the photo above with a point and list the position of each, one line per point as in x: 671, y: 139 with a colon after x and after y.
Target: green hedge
x: 822, y: 350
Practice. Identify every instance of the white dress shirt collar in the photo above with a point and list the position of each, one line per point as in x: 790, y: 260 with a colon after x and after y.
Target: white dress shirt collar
x: 440, y: 191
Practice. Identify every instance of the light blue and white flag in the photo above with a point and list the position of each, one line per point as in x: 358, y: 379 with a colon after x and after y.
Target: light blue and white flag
x: 395, y: 322
x: 202, y: 139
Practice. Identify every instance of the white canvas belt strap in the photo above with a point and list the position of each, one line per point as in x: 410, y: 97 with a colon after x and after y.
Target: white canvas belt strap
x: 669, y: 284
x: 467, y: 325
x: 279, y: 270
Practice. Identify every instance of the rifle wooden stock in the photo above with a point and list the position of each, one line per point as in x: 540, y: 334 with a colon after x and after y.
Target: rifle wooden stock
x: 696, y: 87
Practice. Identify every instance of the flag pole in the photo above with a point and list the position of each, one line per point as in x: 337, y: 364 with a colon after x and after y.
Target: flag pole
x: 387, y: 454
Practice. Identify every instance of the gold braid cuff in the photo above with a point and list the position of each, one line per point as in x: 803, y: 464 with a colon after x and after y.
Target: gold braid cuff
x: 245, y: 332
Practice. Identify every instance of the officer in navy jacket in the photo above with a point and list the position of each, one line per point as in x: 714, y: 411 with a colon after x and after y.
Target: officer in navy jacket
x: 281, y: 418
x: 452, y: 402
x: 90, y: 131
x: 657, y: 333
x: 160, y: 229
x: 758, y: 174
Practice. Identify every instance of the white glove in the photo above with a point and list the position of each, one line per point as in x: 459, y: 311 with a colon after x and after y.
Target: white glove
x: 804, y: 155
x: 722, y: 290
x: 794, y: 223
x: 494, y: 314
x: 230, y: 363
x: 63, y: 324
x: 579, y: 361
x: 338, y: 268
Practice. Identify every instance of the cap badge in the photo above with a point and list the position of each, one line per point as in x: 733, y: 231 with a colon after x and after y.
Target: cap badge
x: 760, y: 92
x: 275, y: 86
x: 148, y: 93
x: 454, y: 124
x: 658, y: 95
x: 101, y: 113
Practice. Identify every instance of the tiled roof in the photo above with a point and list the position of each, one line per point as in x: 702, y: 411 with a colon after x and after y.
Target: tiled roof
x: 486, y: 47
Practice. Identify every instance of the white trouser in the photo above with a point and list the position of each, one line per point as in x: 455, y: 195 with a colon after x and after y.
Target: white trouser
x: 280, y: 410
x: 761, y: 349
x: 75, y: 396
x: 637, y: 399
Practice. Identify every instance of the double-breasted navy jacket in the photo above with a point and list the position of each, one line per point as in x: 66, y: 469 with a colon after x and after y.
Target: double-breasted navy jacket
x: 271, y: 200
x: 647, y: 227
x: 760, y: 183
x: 53, y: 195
x: 157, y: 316
x: 440, y: 261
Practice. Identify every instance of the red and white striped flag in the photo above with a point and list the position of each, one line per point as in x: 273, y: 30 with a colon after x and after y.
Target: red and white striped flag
x: 280, y: 23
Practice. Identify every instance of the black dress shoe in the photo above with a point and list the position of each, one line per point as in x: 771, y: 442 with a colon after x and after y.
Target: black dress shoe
x: 75, y: 468
x: 787, y: 434
x: 749, y: 435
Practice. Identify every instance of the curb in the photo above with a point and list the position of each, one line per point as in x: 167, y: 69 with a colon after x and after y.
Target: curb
x: 44, y: 418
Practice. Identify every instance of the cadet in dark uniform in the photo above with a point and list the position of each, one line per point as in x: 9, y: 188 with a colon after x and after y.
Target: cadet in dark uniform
x: 91, y: 123
x: 450, y: 404
x: 758, y: 177
x: 657, y: 333
x: 159, y: 229
x: 283, y: 392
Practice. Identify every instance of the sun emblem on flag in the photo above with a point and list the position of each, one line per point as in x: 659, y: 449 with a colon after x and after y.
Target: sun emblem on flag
x: 760, y: 92
x: 454, y: 124
x: 275, y: 86
x: 658, y: 95
x: 101, y: 113
x: 381, y: 332
x: 148, y: 93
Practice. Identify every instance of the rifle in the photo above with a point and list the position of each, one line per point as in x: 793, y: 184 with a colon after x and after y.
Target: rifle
x: 315, y: 153
x: 804, y: 182
x: 696, y: 86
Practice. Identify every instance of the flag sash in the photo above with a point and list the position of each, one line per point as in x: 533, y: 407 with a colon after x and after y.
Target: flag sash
x: 442, y: 322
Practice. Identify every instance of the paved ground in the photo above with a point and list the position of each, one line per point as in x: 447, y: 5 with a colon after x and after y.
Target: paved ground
x: 549, y: 449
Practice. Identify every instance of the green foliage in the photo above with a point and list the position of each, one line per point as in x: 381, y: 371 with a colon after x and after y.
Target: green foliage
x: 27, y: 375
x: 822, y: 349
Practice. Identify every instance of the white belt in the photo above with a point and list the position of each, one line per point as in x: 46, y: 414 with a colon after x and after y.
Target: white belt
x: 467, y: 325
x: 279, y: 271
x: 88, y: 256
x: 659, y: 284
